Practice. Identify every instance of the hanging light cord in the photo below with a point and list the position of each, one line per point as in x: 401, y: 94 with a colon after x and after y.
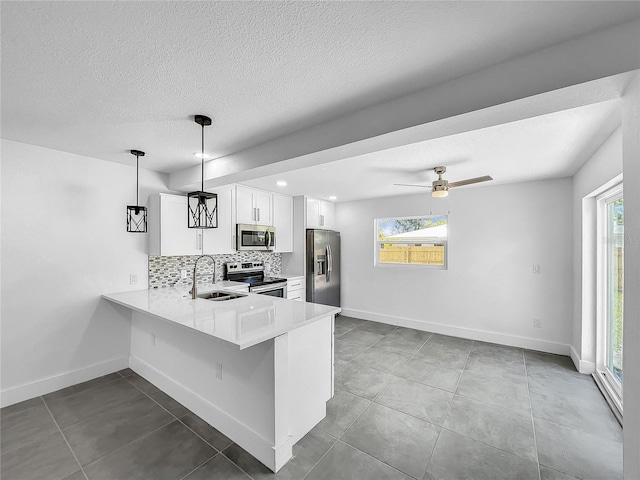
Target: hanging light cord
x: 202, y: 184
x: 137, y: 175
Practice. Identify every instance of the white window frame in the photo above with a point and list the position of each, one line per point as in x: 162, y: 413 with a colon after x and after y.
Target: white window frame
x: 610, y: 386
x: 377, y: 242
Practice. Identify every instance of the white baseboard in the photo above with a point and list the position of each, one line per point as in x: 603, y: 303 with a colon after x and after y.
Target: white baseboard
x: 583, y: 366
x: 273, y: 456
x: 482, y: 335
x: 47, y: 385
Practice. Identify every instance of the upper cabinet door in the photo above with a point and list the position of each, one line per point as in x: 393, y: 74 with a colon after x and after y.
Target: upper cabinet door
x: 283, y: 222
x: 245, y: 208
x: 253, y: 206
x: 220, y: 240
x: 263, y: 207
x: 176, y: 238
x: 313, y: 213
x: 320, y: 213
x: 327, y: 210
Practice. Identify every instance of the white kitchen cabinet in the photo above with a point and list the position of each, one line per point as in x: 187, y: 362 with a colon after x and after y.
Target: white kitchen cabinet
x: 283, y: 222
x: 253, y: 206
x: 221, y: 239
x: 320, y: 213
x: 296, y: 289
x: 169, y: 234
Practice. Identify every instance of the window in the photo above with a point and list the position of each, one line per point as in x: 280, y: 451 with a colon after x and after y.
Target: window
x: 420, y: 241
x: 611, y: 292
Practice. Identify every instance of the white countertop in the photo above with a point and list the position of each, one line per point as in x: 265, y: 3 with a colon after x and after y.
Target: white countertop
x: 244, y: 321
x: 283, y: 275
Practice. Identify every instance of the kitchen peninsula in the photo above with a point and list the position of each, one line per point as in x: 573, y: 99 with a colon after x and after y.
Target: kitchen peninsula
x: 257, y: 368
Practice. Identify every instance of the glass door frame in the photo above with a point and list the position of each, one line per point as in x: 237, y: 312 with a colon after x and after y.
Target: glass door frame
x: 605, y: 378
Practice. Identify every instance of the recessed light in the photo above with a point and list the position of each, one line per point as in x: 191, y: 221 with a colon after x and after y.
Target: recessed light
x: 281, y: 183
x: 204, y: 156
x: 333, y: 197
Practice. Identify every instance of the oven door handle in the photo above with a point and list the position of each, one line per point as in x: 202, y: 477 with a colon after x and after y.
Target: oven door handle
x: 266, y: 288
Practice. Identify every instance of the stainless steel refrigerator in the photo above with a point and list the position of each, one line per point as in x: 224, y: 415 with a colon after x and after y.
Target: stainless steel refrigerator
x: 323, y: 267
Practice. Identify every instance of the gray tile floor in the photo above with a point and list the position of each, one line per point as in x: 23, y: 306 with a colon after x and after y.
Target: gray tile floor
x: 407, y: 404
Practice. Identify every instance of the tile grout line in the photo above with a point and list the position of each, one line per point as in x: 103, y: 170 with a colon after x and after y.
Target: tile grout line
x: 176, y: 418
x: 455, y: 392
x: 198, y: 466
x: 179, y: 419
x: 533, y: 423
x: 320, y: 459
x: 339, y: 439
x: 130, y: 443
x: 65, y: 439
x: 510, y: 413
x: 153, y: 399
x: 238, y: 466
x: 4, y: 451
x: 142, y: 436
x: 84, y: 390
x: 361, y: 451
x: 446, y: 417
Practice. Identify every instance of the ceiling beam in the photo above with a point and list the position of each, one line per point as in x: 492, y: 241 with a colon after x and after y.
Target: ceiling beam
x: 506, y: 92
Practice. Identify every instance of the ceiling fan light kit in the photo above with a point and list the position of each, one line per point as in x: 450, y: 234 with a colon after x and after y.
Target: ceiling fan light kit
x: 136, y: 214
x: 439, y: 192
x: 202, y: 207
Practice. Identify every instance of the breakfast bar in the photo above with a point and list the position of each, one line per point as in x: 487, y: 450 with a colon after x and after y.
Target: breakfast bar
x: 257, y: 368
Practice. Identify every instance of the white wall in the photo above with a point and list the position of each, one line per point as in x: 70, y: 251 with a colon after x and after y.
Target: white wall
x: 489, y: 292
x: 64, y: 244
x: 596, y: 175
x: 631, y: 359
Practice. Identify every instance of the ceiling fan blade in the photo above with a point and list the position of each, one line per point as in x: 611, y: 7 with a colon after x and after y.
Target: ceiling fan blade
x: 469, y: 181
x: 410, y: 185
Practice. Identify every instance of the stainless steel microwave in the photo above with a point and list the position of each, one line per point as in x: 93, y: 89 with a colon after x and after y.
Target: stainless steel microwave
x: 255, y: 237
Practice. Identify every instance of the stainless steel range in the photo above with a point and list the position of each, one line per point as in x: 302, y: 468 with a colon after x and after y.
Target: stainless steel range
x: 252, y: 273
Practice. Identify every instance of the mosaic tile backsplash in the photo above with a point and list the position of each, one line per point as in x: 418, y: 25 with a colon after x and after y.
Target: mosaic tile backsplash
x: 166, y: 271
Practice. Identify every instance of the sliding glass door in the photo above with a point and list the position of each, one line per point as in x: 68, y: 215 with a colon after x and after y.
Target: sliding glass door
x: 611, y: 295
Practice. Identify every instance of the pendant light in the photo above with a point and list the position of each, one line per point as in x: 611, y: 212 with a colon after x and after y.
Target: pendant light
x: 136, y: 214
x: 202, y: 207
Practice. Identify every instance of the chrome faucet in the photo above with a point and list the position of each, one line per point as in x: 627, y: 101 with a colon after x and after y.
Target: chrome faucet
x: 194, y: 289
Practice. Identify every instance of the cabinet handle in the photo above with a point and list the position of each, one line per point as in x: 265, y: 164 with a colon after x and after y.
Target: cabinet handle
x: 258, y: 219
x: 322, y: 220
x: 199, y: 245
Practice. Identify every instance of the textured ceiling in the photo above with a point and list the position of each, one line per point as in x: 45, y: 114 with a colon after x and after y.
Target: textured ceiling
x: 100, y: 78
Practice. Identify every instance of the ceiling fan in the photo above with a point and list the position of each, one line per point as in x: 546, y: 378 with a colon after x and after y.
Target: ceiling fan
x: 440, y: 187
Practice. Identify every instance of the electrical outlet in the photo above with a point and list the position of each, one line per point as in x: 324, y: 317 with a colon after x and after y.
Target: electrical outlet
x: 219, y: 371
x: 183, y: 274
x: 536, y: 268
x: 133, y: 278
x: 537, y: 323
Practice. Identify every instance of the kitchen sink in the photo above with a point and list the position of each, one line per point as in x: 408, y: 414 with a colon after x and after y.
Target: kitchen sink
x: 221, y: 296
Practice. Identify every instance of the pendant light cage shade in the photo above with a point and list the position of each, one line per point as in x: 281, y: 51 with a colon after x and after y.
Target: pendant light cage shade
x: 136, y: 219
x: 203, y: 210
x: 202, y: 207
x: 137, y: 214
